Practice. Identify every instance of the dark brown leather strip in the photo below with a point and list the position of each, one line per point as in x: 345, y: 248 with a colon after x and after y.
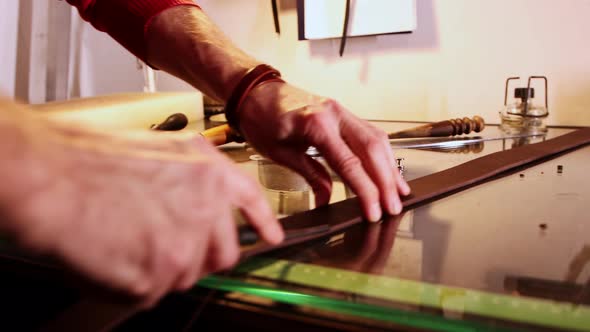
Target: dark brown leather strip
x: 344, y: 214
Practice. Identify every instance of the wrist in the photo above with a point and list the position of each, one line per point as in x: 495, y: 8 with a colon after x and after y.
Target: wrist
x: 264, y: 97
x: 255, y: 78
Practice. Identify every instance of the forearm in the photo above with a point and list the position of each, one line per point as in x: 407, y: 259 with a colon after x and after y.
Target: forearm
x: 186, y: 43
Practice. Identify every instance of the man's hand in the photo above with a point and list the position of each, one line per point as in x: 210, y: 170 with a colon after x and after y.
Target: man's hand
x: 145, y: 215
x: 282, y: 121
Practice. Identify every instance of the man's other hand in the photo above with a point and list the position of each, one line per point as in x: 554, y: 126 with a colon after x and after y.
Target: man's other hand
x: 145, y: 216
x: 282, y: 121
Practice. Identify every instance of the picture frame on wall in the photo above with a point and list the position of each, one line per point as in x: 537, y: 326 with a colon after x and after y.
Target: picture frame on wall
x: 325, y: 19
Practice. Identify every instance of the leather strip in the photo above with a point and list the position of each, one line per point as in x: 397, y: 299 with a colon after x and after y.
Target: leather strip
x: 343, y: 214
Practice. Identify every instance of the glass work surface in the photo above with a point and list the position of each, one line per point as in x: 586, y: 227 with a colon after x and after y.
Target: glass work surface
x: 509, y: 254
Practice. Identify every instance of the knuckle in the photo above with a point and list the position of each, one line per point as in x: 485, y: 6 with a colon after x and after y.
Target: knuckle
x: 250, y: 184
x: 374, y: 145
x: 252, y: 194
x: 333, y: 106
x: 316, y: 119
x: 317, y: 125
x: 371, y: 193
x: 140, y: 288
x: 382, y: 135
x: 220, y: 180
x: 330, y: 104
x: 231, y: 257
x: 306, y: 110
x: 177, y: 259
x: 283, y: 130
x: 227, y: 257
x: 389, y: 183
x: 349, y: 164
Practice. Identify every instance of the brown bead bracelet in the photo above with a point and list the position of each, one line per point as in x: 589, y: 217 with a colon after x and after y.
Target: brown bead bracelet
x: 253, y: 78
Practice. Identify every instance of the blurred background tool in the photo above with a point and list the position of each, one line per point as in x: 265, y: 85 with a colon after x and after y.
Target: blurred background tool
x: 221, y: 135
x: 176, y: 121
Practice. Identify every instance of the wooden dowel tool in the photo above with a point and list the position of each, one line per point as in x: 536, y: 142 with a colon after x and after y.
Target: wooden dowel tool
x: 443, y: 128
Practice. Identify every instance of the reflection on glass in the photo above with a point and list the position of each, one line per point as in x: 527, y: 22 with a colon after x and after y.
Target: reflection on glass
x: 369, y: 248
x: 521, y: 141
x: 475, y: 148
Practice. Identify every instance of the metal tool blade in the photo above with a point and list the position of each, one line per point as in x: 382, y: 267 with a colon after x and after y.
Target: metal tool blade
x: 438, y: 142
x: 445, y: 142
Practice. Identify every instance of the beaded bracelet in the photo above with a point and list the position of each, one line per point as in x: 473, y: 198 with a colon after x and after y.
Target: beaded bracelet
x: 253, y: 78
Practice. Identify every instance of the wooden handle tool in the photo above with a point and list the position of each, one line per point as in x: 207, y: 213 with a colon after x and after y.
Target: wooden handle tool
x: 221, y: 135
x: 176, y: 121
x: 442, y: 128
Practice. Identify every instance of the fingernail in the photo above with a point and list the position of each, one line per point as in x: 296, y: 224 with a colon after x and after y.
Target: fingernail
x: 375, y: 212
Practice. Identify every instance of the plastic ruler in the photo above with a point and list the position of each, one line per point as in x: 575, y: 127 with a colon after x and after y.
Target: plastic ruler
x: 546, y: 313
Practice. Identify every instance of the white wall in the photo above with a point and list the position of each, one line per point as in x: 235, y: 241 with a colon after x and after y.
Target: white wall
x: 8, y: 33
x: 101, y: 66
x: 454, y: 65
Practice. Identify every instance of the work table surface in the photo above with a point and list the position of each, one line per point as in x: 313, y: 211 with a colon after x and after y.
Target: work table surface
x: 510, y: 254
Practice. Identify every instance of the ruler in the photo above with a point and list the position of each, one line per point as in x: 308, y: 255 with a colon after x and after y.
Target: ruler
x: 539, y: 312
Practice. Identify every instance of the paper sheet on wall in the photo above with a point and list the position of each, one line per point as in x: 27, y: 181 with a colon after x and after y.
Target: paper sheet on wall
x: 324, y: 18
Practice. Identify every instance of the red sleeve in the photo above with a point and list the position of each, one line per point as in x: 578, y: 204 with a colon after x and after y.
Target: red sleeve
x: 125, y: 20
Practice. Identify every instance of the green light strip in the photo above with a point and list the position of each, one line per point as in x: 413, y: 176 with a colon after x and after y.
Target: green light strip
x: 396, y: 316
x: 519, y: 309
